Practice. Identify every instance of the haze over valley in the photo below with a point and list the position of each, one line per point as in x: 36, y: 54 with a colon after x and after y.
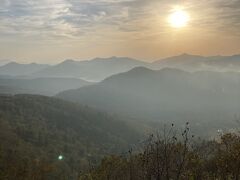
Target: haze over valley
x: 201, y: 90
x: 119, y: 90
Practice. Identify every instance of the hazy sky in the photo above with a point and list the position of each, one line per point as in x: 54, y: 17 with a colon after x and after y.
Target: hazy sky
x: 54, y: 30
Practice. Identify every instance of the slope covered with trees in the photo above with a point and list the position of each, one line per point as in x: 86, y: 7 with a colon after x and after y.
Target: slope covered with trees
x: 35, y: 131
x: 175, y: 156
x: 40, y: 86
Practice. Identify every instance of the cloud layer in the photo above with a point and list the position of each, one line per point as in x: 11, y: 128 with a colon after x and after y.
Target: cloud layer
x: 72, y: 18
x: 111, y: 20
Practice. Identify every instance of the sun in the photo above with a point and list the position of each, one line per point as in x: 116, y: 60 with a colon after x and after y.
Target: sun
x: 179, y: 18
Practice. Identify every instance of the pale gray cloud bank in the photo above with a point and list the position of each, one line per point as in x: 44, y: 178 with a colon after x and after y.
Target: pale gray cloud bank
x: 110, y: 20
x: 72, y: 18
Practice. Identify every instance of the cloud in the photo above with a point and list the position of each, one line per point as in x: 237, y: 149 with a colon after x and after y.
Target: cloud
x: 57, y: 17
x: 217, y: 15
x: 75, y: 18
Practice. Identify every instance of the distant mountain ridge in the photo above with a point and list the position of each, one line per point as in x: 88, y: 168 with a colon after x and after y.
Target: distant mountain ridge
x: 93, y: 70
x: 100, y: 68
x: 181, y: 59
x: 16, y: 69
x: 196, y: 62
x: 165, y: 95
x: 3, y: 62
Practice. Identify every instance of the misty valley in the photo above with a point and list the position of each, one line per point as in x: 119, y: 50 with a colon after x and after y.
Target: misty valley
x: 119, y: 90
x: 120, y: 118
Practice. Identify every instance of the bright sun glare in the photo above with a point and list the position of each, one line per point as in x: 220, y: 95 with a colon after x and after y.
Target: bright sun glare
x: 179, y: 18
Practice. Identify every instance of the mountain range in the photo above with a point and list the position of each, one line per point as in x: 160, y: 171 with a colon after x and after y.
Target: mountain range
x: 4, y: 61
x: 167, y: 95
x: 195, y: 62
x: 16, y: 69
x: 100, y: 68
x: 124, y: 99
x: 94, y: 70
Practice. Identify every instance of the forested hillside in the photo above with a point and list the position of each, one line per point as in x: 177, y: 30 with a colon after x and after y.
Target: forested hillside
x: 175, y: 155
x: 40, y: 86
x: 46, y: 138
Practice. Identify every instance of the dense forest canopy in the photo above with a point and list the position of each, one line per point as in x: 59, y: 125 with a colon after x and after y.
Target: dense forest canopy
x: 36, y: 130
x: 173, y: 156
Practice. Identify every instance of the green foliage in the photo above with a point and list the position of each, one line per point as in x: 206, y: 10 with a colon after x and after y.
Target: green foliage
x: 175, y: 157
x: 35, y: 130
